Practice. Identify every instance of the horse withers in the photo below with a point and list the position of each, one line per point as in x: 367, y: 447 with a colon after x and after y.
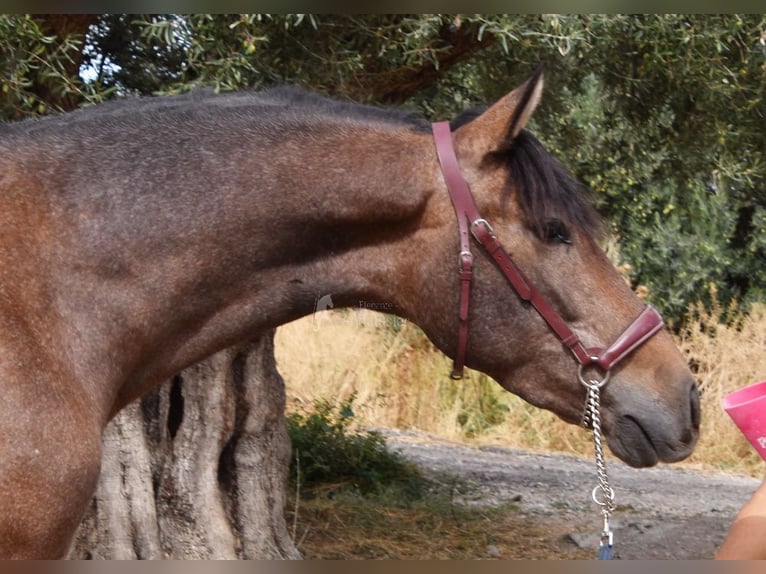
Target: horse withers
x: 139, y: 237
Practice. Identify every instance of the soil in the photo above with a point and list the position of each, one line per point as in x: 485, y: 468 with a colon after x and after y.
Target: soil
x: 664, y: 512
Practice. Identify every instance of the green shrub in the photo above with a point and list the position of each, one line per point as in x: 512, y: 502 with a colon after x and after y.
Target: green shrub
x: 327, y: 450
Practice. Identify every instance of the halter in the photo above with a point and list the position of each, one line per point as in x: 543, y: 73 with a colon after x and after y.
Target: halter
x: 471, y: 223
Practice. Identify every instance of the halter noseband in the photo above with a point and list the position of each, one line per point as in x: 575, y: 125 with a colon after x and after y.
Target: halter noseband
x: 470, y: 223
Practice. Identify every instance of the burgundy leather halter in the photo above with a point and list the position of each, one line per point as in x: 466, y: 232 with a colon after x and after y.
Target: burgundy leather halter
x: 470, y: 223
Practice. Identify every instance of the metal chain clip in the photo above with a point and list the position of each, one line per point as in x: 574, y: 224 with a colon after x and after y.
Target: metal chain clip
x: 603, y: 494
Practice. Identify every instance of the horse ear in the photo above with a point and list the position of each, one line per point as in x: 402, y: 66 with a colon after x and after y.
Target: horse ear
x: 496, y: 128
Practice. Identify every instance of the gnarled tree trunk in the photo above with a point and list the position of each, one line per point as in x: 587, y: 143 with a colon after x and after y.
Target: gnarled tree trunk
x: 197, y: 468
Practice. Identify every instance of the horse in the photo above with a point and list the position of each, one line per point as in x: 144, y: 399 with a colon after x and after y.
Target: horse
x: 138, y: 237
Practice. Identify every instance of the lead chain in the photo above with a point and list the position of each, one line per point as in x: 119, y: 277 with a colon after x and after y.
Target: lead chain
x: 603, y: 495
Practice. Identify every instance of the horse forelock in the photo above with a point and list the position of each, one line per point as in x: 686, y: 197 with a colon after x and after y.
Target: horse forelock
x: 545, y: 189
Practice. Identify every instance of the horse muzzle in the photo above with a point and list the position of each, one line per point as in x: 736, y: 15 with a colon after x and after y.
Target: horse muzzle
x: 643, y: 433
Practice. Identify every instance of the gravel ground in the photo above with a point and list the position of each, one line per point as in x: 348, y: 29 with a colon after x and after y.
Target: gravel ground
x: 663, y: 512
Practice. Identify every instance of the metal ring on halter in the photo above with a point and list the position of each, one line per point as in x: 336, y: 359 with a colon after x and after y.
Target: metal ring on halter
x: 609, y: 499
x: 591, y: 383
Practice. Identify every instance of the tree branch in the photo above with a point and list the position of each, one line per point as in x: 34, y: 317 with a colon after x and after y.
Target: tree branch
x: 459, y: 42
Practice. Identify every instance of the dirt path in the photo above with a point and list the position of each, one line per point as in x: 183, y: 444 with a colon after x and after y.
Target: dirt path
x: 663, y: 513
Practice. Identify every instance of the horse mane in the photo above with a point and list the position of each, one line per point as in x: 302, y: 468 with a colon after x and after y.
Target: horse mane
x: 545, y: 189
x: 314, y: 105
x: 288, y: 105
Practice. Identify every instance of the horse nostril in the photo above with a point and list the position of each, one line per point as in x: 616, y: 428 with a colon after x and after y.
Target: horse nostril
x: 695, y: 404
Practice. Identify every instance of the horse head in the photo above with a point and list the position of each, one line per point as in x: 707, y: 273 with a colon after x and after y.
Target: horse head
x: 537, y: 210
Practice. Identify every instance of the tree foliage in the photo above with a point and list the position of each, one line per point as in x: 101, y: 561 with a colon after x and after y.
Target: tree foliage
x: 662, y: 115
x: 40, y: 59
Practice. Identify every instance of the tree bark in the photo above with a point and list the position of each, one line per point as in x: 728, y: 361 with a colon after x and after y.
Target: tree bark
x: 197, y: 468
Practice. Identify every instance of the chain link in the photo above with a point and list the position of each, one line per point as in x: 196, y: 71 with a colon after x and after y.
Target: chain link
x: 603, y: 494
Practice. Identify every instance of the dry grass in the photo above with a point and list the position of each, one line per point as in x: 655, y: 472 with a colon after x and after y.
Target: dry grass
x: 728, y: 351
x: 401, y: 381
x: 351, y: 527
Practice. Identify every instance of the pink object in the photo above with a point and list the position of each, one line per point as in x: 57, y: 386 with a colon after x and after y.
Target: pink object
x: 747, y: 408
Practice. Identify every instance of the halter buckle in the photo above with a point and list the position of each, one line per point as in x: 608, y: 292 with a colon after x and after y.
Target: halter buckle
x: 481, y: 221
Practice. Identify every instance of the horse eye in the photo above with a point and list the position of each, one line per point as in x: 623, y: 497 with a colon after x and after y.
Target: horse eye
x: 557, y: 232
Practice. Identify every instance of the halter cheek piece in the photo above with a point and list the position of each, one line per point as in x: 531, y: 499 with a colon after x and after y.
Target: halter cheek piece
x: 470, y: 223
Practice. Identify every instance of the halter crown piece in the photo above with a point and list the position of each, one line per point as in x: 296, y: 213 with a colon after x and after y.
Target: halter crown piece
x: 471, y: 223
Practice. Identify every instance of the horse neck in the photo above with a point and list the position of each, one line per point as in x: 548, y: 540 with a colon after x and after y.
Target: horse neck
x: 350, y: 202
x: 168, y: 275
